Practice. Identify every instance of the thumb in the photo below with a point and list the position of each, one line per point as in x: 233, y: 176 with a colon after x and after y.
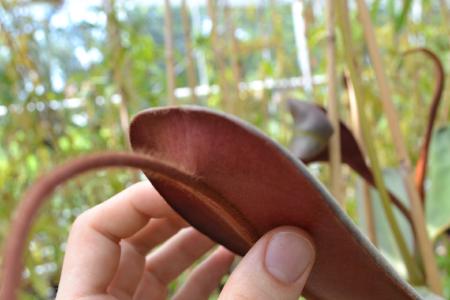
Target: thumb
x: 276, y: 267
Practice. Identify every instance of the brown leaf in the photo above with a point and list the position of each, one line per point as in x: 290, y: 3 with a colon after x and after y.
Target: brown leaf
x: 234, y: 184
x: 253, y: 185
x: 312, y: 129
x: 314, y: 152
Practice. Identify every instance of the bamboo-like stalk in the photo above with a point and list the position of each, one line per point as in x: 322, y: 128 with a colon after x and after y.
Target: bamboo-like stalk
x: 445, y: 14
x: 302, y: 46
x: 219, y: 61
x: 119, y: 70
x: 367, y: 199
x: 128, y: 96
x: 445, y: 11
x: 169, y: 51
x: 417, y: 212
x: 277, y: 34
x: 333, y: 107
x: 199, y: 54
x: 310, y: 17
x: 275, y: 43
x: 349, y: 54
x: 117, y: 54
x: 234, y: 56
x: 187, y: 37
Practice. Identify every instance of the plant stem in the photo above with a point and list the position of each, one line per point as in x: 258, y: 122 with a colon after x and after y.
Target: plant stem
x: 445, y: 14
x: 281, y: 64
x: 369, y: 215
x: 417, y: 212
x: 190, y: 66
x: 168, y: 47
x: 368, y: 205
x: 234, y: 57
x: 303, y: 59
x: 218, y: 56
x: 37, y: 194
x: 345, y: 28
x: 333, y: 107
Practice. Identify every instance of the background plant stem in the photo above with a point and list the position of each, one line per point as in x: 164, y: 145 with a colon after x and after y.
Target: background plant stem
x: 333, y: 107
x: 190, y: 65
x: 369, y: 215
x: 169, y: 50
x: 417, y: 211
x: 349, y: 55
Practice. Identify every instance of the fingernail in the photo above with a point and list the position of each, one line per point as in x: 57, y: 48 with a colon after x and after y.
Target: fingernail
x: 288, y: 255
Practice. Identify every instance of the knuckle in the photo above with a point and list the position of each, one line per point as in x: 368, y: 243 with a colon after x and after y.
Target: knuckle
x: 83, y: 220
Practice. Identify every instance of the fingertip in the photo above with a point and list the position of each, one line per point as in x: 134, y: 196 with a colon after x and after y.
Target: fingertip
x: 276, y: 267
x: 289, y: 253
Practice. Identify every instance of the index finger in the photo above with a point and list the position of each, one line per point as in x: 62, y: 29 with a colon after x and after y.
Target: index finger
x: 93, y: 250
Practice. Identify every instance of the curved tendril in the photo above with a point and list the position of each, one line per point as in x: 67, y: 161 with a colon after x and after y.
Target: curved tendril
x: 422, y: 162
x: 37, y: 194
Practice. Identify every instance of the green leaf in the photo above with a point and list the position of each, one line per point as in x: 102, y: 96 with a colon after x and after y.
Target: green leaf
x: 437, y: 197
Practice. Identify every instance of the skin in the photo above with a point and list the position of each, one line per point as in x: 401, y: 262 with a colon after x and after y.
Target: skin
x: 107, y: 259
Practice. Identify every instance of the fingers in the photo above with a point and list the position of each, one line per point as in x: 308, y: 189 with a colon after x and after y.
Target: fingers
x: 154, y: 233
x: 276, y: 267
x: 177, y: 254
x: 93, y: 251
x: 167, y: 262
x: 134, y: 251
x: 206, y: 277
x: 129, y: 272
x: 107, y: 246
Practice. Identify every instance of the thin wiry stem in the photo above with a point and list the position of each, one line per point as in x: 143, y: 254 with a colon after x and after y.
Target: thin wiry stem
x: 421, y: 165
x: 35, y: 197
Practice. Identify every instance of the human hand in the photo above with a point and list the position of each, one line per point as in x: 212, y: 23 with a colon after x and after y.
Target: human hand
x: 109, y: 256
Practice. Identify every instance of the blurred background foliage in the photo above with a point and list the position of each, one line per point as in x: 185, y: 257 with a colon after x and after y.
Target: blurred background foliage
x: 73, y: 72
